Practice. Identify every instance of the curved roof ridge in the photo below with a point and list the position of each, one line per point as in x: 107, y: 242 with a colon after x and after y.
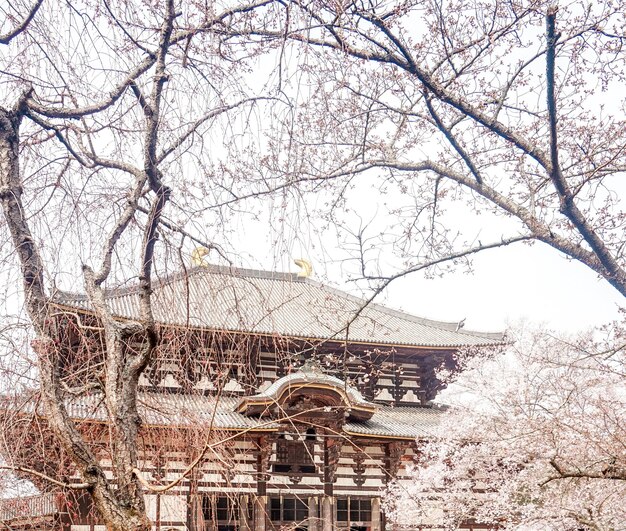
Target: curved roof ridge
x: 309, y: 376
x: 312, y: 372
x: 170, y: 278
x: 309, y: 308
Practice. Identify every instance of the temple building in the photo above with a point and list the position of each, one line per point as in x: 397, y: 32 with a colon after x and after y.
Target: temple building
x: 307, y: 401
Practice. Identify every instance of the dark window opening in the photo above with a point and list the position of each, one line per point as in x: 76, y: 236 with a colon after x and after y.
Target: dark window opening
x: 354, y: 510
x: 295, y: 455
x: 288, y: 510
x: 220, y: 513
x: 282, y: 455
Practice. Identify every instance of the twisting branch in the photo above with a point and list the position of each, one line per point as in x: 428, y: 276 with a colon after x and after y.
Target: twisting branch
x: 143, y: 103
x: 152, y: 117
x: 562, y: 473
x: 7, y: 37
x: 344, y: 331
x: 195, y: 125
x: 538, y: 229
x: 11, y: 198
x: 36, y: 300
x: 555, y: 173
x: 118, y: 230
x: 614, y: 273
x: 168, y: 224
x: 61, y: 137
x: 152, y: 110
x: 111, y: 99
x: 124, y: 30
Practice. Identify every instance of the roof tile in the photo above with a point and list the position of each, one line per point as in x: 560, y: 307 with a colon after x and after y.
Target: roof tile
x: 273, y: 303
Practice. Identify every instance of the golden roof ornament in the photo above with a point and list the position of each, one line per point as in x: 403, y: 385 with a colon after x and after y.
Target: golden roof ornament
x: 306, y: 269
x: 197, y: 257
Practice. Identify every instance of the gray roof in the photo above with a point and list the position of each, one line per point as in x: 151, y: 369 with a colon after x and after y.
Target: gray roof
x: 402, y: 422
x: 175, y: 409
x: 28, y: 507
x: 262, y: 302
x: 182, y: 410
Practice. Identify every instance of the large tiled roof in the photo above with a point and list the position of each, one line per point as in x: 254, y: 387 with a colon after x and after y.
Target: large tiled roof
x: 184, y: 410
x: 262, y: 302
x: 402, y: 422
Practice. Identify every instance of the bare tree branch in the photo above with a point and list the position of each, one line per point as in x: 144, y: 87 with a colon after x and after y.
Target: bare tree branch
x: 7, y: 37
x: 34, y: 473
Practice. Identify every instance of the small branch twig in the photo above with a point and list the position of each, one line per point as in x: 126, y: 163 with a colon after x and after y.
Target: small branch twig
x: 45, y: 477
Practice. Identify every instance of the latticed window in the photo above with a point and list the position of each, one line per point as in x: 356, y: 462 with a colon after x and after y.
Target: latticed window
x: 354, y: 510
x: 220, y: 513
x: 288, y: 510
x: 295, y: 455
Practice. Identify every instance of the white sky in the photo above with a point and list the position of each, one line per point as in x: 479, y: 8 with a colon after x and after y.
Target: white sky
x: 530, y: 282
x: 522, y: 282
x: 534, y: 283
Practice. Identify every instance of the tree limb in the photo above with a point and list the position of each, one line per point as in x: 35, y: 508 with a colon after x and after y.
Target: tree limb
x: 45, y: 477
x: 453, y: 141
x: 611, y: 474
x: 7, y: 37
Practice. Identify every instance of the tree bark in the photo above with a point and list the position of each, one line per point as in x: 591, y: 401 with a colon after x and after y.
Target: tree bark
x: 121, y: 510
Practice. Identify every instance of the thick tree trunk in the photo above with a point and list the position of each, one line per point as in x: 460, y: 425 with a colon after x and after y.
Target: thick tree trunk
x: 121, y: 509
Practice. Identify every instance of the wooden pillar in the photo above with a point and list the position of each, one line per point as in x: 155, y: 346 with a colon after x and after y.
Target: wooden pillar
x: 328, y: 513
x: 262, y: 467
x: 244, y: 517
x: 260, y: 513
x: 332, y: 448
x: 195, y: 515
x: 314, y: 519
x: 157, y: 516
x: 328, y: 485
x: 376, y: 521
x: 393, y: 457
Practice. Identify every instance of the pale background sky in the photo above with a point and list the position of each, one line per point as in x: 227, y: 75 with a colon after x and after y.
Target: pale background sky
x: 519, y: 282
x: 533, y: 283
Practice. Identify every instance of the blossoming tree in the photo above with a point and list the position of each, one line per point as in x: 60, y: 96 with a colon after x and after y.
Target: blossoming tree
x: 535, y: 440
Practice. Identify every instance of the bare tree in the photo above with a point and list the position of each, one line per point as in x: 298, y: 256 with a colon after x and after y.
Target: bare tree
x: 449, y: 110
x: 105, y: 106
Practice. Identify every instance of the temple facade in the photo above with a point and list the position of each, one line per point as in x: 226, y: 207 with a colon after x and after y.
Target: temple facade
x: 302, y: 401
